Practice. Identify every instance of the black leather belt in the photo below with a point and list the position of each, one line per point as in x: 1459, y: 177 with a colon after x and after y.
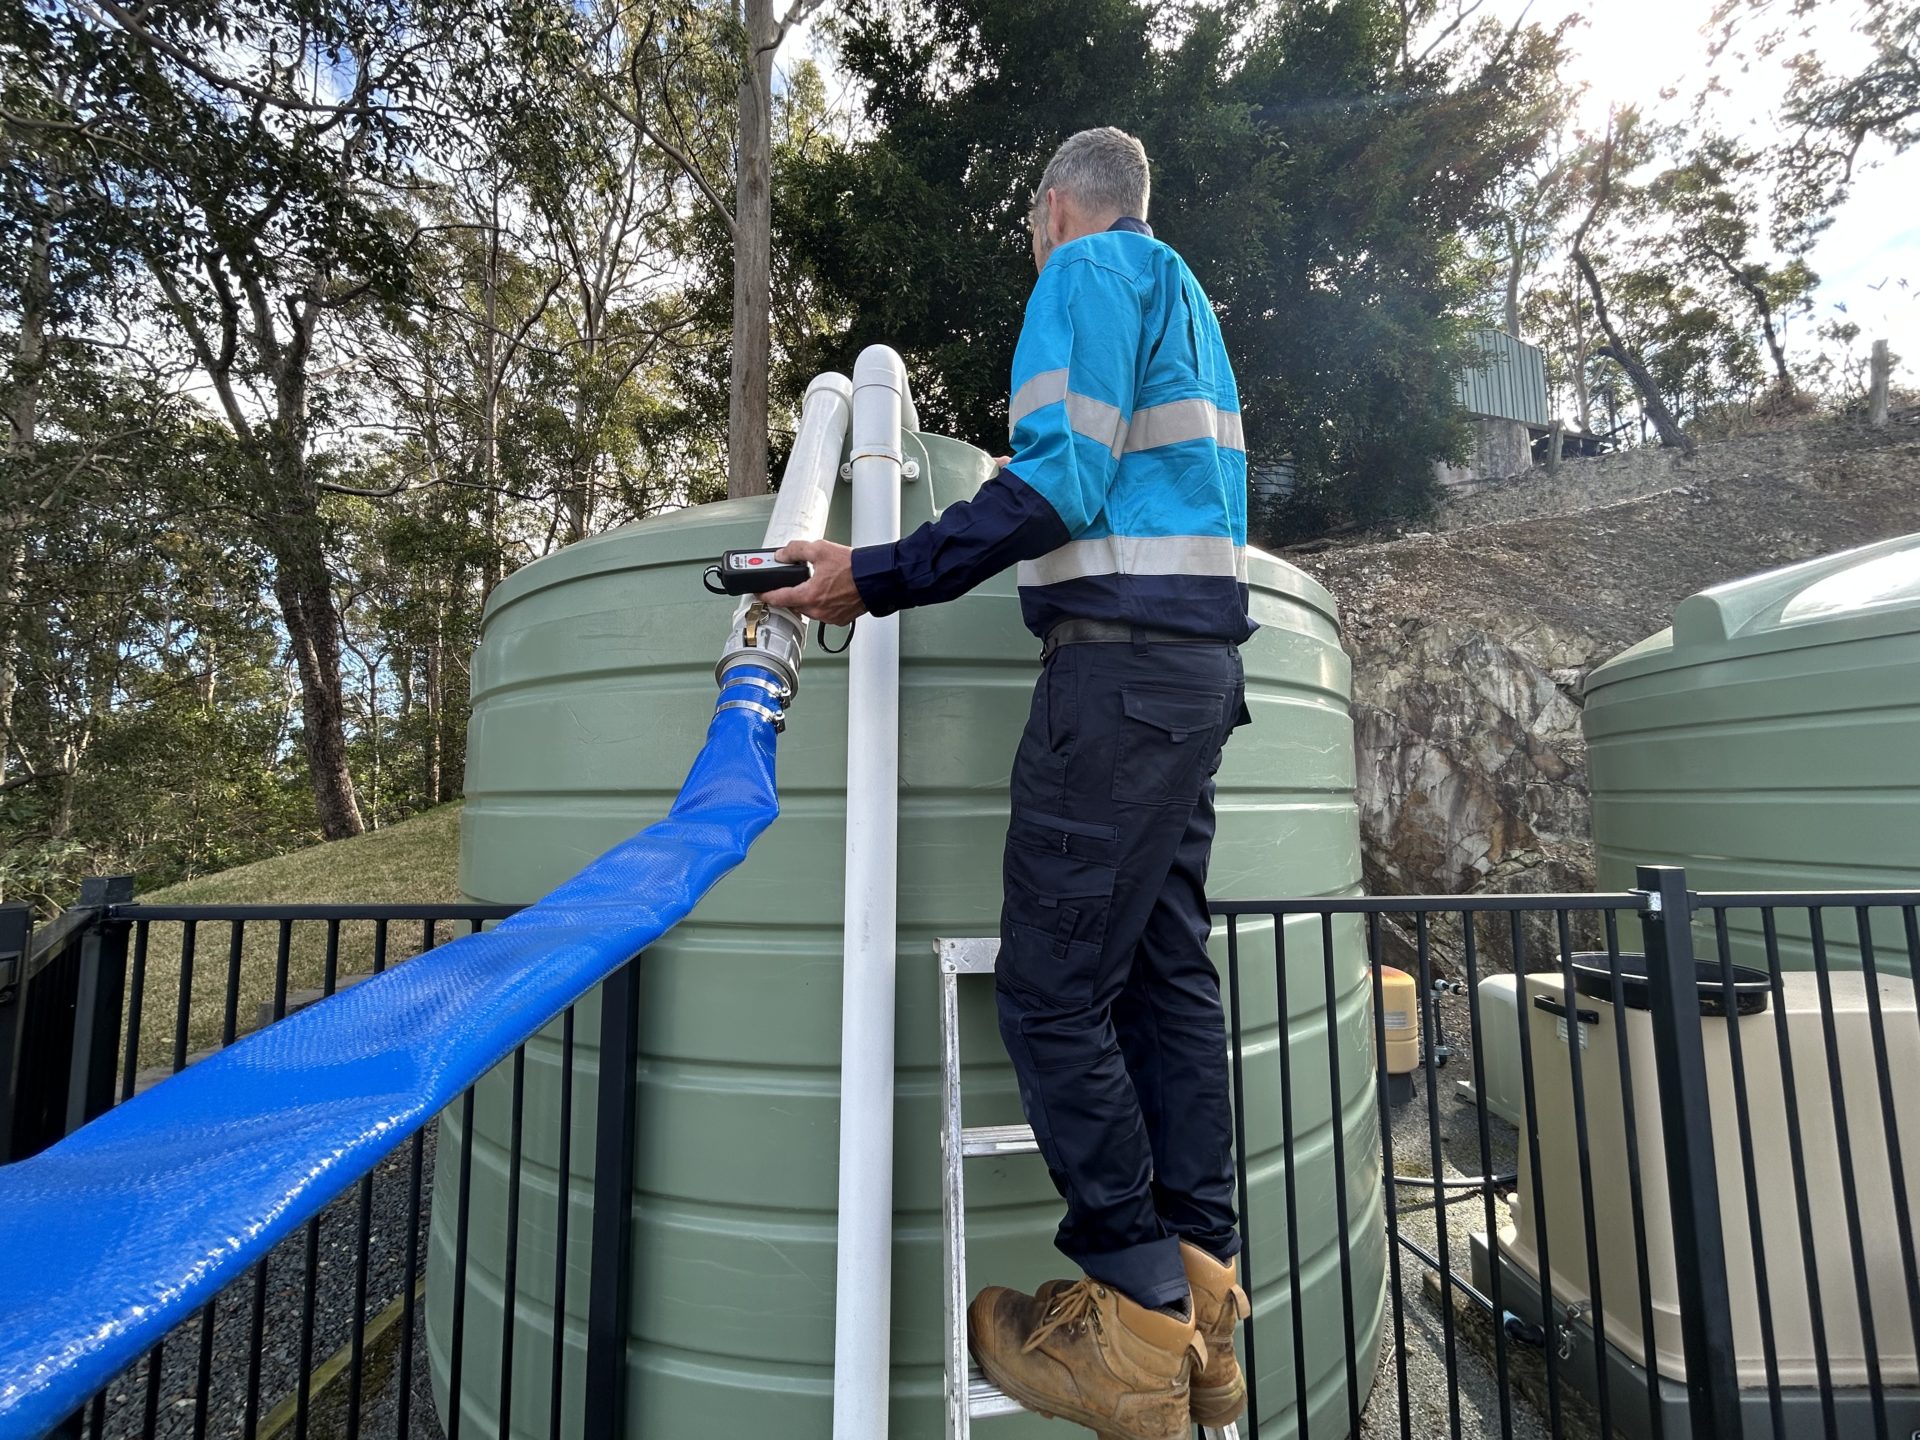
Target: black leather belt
x: 1116, y: 632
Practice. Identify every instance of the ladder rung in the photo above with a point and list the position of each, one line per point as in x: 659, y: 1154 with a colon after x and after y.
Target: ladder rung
x: 984, y: 1399
x: 998, y: 1140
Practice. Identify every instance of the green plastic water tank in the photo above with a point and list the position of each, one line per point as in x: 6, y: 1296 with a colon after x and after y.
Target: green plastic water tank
x: 1770, y: 740
x: 592, y: 688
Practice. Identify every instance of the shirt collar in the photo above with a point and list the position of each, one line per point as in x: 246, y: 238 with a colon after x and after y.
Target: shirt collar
x: 1131, y: 225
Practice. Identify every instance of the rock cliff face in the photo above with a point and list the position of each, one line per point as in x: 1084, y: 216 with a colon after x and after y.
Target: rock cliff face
x: 1470, y: 644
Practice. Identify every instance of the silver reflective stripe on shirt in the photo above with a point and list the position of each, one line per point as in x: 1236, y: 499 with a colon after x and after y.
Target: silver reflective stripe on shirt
x: 1095, y: 419
x: 1180, y: 420
x: 1043, y: 389
x: 1214, y: 555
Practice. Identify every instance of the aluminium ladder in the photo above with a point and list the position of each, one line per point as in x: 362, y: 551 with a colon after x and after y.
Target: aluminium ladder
x: 970, y: 1395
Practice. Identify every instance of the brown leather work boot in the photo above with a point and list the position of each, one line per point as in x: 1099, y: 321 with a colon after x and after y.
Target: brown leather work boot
x: 1088, y: 1354
x: 1218, y: 1392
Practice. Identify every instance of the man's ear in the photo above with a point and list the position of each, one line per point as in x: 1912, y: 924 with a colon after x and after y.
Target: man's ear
x: 1056, y: 217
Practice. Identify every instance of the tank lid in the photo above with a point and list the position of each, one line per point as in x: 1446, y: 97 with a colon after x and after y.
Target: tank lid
x: 1854, y: 595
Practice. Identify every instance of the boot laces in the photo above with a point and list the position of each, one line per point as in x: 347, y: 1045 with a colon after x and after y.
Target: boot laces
x: 1071, y: 1307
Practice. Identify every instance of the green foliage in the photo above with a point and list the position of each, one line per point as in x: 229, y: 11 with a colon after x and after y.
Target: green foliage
x: 1315, y: 172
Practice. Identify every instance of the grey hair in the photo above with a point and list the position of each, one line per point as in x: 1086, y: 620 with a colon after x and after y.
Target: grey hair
x: 1103, y: 169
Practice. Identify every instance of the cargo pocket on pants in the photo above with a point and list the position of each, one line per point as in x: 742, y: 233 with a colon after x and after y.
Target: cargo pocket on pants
x: 1058, y: 888
x: 1166, y: 737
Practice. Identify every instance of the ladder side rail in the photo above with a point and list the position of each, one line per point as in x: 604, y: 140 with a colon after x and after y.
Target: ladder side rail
x: 953, y: 1205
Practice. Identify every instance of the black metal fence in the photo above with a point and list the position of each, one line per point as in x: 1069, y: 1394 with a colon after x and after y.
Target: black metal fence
x: 1691, y: 1219
x: 1699, y: 1220
x: 326, y: 1336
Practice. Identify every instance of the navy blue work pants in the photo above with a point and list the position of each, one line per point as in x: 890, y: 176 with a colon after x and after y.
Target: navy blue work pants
x: 1109, y: 1003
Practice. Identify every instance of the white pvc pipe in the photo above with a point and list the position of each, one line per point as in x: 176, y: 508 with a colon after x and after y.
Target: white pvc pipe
x: 806, y: 485
x: 799, y: 513
x: 863, y: 1295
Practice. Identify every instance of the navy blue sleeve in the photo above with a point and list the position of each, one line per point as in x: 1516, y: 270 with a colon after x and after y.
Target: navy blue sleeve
x: 1005, y: 522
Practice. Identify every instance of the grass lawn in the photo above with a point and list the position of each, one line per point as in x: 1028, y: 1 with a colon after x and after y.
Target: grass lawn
x: 415, y: 861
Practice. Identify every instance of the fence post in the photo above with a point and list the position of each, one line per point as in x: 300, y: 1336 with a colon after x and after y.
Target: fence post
x: 98, y: 1001
x: 1880, y: 378
x: 611, y: 1288
x: 1680, y: 1065
x: 16, y: 922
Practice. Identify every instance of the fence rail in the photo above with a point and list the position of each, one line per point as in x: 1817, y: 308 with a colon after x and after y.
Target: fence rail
x: 1678, y: 1203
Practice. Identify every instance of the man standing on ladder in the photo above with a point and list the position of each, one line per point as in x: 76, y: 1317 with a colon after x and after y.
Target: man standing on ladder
x: 1124, y: 505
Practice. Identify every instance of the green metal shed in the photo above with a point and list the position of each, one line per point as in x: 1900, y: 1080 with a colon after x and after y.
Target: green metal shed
x: 592, y: 687
x: 1770, y: 740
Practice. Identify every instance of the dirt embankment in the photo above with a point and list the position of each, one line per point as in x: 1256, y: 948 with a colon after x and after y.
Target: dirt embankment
x: 1470, y: 641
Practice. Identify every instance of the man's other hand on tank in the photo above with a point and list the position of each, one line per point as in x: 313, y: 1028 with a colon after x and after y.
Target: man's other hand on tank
x: 831, y: 595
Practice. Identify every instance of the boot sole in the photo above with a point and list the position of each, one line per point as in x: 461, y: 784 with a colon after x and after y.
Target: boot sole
x: 1031, y: 1400
x: 1220, y: 1406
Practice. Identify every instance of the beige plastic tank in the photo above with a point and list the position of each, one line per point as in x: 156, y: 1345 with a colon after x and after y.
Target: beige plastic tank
x: 1780, y: 1229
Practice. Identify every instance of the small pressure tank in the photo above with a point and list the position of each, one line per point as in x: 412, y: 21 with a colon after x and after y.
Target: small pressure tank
x: 591, y: 692
x: 1400, y: 1023
x: 1771, y: 741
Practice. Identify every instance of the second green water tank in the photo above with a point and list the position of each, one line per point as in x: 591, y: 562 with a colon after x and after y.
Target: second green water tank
x: 592, y: 688
x: 1770, y: 740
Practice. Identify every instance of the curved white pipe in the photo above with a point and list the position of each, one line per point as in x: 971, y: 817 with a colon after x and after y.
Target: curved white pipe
x: 777, y: 638
x: 863, y: 1294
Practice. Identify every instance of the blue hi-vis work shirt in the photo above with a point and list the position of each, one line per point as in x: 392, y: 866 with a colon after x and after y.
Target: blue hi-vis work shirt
x: 1126, y: 495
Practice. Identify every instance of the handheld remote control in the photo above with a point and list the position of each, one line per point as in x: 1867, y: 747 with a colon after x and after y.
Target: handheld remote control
x: 754, y: 572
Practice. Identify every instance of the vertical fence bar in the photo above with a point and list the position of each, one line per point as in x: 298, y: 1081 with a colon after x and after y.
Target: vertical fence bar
x: 203, y: 1375
x: 1429, y: 1019
x: 1300, y: 1394
x: 16, y: 930
x: 1743, y: 1121
x: 1889, y: 1116
x: 1389, y: 1190
x: 563, y: 1206
x: 282, y: 963
x: 97, y: 1001
x: 410, y: 1284
x: 309, y: 1302
x: 462, y: 1237
x: 357, y: 1339
x: 1576, y: 1076
x: 1251, y: 1368
x: 1337, y: 1124
x: 1797, y: 1159
x: 230, y: 1011
x: 330, y: 968
x: 256, y: 1351
x: 611, y: 1290
x: 136, y: 998
x: 1680, y: 1061
x: 156, y: 1362
x: 1549, y: 1319
x: 1636, y: 1194
x: 1849, y: 1191
x: 1495, y: 1260
x: 189, y: 933
x: 379, y: 946
x: 510, y: 1272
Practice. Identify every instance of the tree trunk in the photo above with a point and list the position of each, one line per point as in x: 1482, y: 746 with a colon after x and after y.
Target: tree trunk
x: 1651, y: 400
x: 752, y: 260
x: 431, y: 694
x: 490, y: 411
x: 1652, y: 403
x: 1516, y: 262
x: 303, y: 588
x: 23, y: 423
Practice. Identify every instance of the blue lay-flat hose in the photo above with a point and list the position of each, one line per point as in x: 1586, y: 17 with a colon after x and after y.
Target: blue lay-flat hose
x: 130, y: 1225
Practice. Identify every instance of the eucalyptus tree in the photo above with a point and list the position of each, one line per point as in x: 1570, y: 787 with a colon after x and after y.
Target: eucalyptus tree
x: 247, y: 159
